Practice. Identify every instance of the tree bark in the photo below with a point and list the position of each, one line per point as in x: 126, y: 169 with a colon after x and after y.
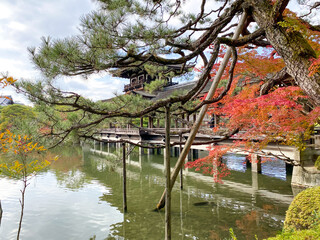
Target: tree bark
x: 291, y: 46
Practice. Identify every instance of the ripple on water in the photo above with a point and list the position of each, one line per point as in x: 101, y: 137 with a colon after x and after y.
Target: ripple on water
x: 71, y: 213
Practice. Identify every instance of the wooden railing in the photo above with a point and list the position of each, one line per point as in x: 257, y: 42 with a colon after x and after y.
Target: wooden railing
x: 120, y: 131
x: 131, y: 86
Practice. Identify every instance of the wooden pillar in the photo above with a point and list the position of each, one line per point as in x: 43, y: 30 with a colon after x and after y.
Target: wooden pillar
x: 194, y: 117
x: 256, y: 163
x: 248, y: 162
x: 190, y: 155
x: 181, y: 170
x: 195, y: 154
x: 164, y: 158
x: 158, y: 123
x: 176, y: 124
x: 215, y: 120
x: 141, y: 151
x: 150, y: 122
x: 141, y: 122
x: 1, y: 211
x: 124, y: 177
x: 183, y: 123
x: 168, y: 188
x: 150, y: 151
x: 176, y: 152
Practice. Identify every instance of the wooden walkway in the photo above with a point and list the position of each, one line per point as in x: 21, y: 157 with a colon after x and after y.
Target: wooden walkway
x: 156, y: 136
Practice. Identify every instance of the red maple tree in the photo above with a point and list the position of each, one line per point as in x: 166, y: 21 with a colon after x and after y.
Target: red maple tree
x: 282, y: 114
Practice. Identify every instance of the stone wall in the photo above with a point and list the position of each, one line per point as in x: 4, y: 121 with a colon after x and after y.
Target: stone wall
x: 306, y: 175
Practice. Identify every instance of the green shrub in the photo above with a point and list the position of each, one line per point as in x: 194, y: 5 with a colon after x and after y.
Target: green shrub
x: 317, y: 163
x: 309, y: 234
x: 303, y: 210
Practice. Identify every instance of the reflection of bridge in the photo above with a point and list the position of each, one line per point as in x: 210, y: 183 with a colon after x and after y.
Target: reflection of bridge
x: 156, y: 136
x: 240, y: 187
x: 200, y: 186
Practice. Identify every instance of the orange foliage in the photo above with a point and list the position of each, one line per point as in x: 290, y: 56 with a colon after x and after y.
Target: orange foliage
x: 5, y: 81
x: 21, y: 164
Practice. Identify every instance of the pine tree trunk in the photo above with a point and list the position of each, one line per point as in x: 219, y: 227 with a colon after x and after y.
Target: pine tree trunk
x: 292, y: 47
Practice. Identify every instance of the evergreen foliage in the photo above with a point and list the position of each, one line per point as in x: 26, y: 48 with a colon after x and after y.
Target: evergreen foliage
x: 317, y: 163
x: 302, y: 212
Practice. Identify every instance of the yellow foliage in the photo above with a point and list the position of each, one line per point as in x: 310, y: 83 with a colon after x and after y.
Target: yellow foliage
x: 23, y: 162
x: 5, y: 81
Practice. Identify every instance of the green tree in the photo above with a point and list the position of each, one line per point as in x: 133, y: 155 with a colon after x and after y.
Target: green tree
x: 14, y: 116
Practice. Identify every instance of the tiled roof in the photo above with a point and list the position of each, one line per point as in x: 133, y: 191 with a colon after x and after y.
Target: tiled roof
x: 6, y: 100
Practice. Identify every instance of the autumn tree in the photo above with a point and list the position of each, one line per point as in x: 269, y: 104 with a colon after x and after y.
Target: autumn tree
x: 20, y: 157
x: 272, y: 111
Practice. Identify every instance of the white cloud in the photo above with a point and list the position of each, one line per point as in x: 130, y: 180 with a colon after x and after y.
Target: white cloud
x: 19, y: 27
x: 23, y: 23
x: 5, y: 10
x: 96, y: 87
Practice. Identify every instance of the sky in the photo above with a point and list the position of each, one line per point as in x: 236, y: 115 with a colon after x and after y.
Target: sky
x: 24, y: 22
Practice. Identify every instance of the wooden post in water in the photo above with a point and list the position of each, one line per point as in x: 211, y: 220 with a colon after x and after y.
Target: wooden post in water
x: 124, y: 177
x: 0, y: 212
x: 203, y: 111
x: 181, y: 170
x: 167, y: 170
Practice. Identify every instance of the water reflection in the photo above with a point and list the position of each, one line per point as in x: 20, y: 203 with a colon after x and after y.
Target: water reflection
x: 228, y: 205
x: 81, y: 198
x: 68, y: 168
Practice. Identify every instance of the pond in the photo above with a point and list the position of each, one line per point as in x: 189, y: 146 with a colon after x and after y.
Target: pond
x: 80, y: 197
